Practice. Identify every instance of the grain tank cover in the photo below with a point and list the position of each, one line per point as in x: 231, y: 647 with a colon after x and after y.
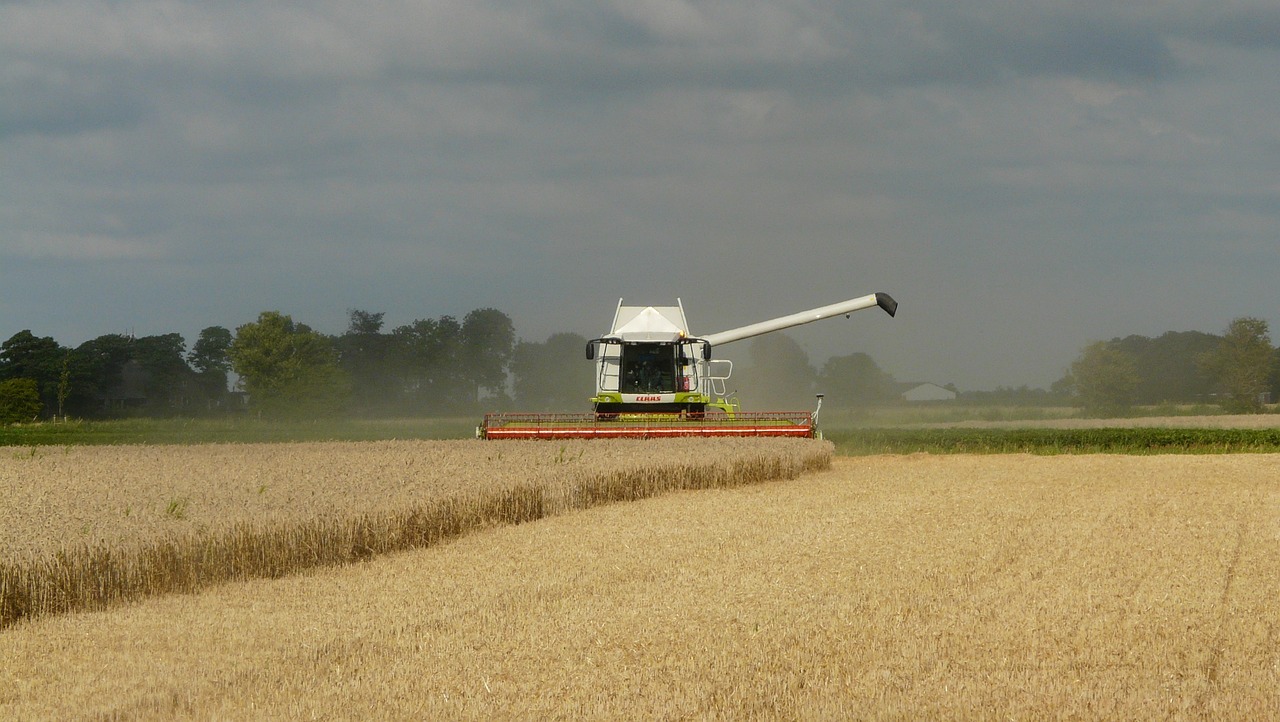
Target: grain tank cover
x: 649, y: 323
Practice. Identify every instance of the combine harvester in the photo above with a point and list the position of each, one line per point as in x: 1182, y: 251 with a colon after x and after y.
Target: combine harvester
x: 655, y: 379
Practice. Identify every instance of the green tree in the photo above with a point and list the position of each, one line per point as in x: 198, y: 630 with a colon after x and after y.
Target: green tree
x: 1168, y: 366
x: 210, y: 357
x: 96, y: 369
x: 488, y: 338
x: 40, y: 358
x: 552, y: 376
x: 853, y: 380
x: 1273, y: 379
x: 1105, y: 379
x: 428, y: 361
x: 167, y: 378
x: 1242, y: 364
x: 287, y: 368
x: 366, y: 354
x: 64, y: 386
x: 19, y: 401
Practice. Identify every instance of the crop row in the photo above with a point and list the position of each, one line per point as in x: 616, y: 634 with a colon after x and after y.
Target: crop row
x: 236, y: 512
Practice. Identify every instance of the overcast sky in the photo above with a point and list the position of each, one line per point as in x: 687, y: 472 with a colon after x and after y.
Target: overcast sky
x: 1023, y: 177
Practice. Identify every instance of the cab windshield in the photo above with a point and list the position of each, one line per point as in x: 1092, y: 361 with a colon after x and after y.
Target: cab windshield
x: 648, y: 368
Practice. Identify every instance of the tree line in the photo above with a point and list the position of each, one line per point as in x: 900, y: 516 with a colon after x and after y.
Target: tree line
x: 1238, y: 370
x: 282, y: 367
x: 447, y: 366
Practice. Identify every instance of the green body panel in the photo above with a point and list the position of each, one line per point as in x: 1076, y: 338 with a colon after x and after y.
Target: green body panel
x: 681, y: 397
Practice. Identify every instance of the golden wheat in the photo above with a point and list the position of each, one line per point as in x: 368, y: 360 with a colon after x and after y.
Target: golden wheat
x: 87, y: 526
x: 1072, y: 587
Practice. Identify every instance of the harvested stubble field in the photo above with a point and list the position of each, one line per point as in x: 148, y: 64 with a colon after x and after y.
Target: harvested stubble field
x: 81, y: 527
x: 1220, y: 421
x: 903, y: 587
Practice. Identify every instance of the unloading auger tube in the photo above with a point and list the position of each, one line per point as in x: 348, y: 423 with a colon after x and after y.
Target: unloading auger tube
x: 654, y: 378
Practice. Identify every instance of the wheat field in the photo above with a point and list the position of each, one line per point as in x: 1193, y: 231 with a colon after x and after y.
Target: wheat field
x: 84, y: 527
x: 127, y: 495
x: 953, y: 587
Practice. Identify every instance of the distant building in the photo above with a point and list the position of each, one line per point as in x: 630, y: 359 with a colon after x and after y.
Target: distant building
x: 927, y: 392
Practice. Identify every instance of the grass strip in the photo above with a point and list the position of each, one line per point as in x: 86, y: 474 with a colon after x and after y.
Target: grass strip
x: 231, y: 430
x: 856, y: 442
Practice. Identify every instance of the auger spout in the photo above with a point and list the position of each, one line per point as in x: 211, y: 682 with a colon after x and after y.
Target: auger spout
x: 883, y: 300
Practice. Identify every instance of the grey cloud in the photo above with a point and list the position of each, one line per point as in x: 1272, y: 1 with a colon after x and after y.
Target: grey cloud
x: 1008, y: 173
x: 234, y: 55
x: 990, y: 46
x: 67, y: 101
x: 1249, y: 27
